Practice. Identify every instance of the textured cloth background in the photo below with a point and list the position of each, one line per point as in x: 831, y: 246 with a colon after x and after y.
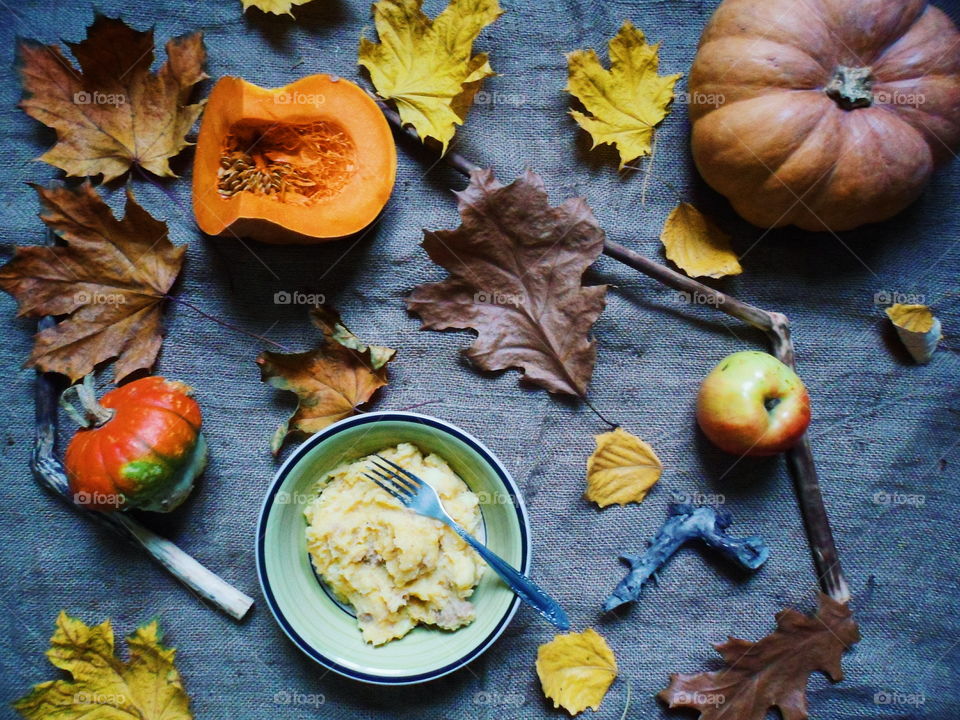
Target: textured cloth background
x: 882, y: 424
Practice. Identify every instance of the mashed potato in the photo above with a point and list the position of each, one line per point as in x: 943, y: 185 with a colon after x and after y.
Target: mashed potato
x: 396, y: 568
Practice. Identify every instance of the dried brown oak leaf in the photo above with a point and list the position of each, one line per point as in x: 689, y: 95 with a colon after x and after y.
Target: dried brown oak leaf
x: 331, y: 381
x: 771, y: 672
x: 110, y: 279
x: 114, y: 112
x: 516, y: 266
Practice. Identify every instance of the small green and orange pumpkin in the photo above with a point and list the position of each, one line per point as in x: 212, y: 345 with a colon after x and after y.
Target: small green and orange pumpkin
x: 139, y: 447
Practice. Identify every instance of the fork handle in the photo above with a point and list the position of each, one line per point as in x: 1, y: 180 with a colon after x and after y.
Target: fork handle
x: 525, y: 588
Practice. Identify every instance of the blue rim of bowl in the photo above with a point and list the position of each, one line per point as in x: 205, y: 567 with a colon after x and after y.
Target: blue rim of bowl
x: 299, y: 453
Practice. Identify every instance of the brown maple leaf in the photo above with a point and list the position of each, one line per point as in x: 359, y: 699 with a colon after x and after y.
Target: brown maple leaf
x: 771, y: 672
x: 110, y: 279
x: 516, y: 266
x: 114, y: 112
x: 332, y: 381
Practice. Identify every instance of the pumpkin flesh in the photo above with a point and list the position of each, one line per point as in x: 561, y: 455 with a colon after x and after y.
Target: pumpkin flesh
x: 826, y: 115
x: 308, y: 162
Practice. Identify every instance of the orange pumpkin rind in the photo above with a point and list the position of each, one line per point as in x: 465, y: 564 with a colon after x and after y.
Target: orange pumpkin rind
x: 308, y: 162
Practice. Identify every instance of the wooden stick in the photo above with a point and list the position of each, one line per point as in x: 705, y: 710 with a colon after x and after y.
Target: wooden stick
x: 775, y: 325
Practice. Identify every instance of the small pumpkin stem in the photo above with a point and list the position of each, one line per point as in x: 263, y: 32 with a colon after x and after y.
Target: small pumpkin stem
x: 92, y: 413
x: 851, y: 87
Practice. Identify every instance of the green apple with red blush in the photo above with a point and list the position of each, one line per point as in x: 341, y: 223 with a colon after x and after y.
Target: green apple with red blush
x: 753, y: 404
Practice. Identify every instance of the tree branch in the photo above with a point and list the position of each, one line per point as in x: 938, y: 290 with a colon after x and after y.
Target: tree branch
x: 774, y: 324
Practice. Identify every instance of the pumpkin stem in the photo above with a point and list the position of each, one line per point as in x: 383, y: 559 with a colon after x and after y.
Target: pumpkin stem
x: 92, y: 413
x: 851, y: 87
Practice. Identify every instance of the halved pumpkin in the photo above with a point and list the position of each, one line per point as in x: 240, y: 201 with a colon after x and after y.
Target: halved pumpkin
x: 305, y: 163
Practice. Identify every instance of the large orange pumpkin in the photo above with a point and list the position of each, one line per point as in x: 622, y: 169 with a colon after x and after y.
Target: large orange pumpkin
x: 312, y: 161
x: 825, y: 114
x: 140, y: 447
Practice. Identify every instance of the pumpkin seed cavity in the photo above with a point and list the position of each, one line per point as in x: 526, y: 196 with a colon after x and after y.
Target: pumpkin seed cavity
x: 293, y: 163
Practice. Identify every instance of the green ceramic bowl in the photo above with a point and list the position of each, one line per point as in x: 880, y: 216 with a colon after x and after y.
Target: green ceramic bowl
x: 307, y: 611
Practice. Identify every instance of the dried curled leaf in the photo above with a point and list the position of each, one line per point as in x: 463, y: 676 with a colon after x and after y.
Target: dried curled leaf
x: 147, y: 686
x: 516, y: 267
x: 576, y: 670
x: 110, y: 279
x: 427, y: 67
x: 696, y: 245
x: 626, y: 102
x: 622, y: 469
x: 772, y: 672
x: 276, y: 7
x: 114, y: 112
x: 918, y: 329
x: 331, y: 381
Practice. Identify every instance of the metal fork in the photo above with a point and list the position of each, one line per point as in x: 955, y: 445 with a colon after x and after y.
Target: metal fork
x: 417, y: 495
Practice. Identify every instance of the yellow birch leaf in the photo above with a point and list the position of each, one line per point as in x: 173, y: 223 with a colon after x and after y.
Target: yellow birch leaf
x: 696, y: 245
x: 622, y: 469
x: 277, y: 7
x: 427, y: 67
x: 576, y: 670
x: 918, y: 328
x: 626, y: 102
x: 147, y: 686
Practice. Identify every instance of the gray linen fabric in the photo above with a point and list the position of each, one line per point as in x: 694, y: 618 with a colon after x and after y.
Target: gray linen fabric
x: 882, y: 424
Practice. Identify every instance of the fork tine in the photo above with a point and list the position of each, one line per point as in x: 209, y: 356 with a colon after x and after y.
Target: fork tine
x: 385, y: 484
x: 417, y: 482
x: 402, y: 480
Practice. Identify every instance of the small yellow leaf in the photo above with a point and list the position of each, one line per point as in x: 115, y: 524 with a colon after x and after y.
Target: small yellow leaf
x: 277, y: 7
x: 576, y: 670
x: 918, y: 328
x: 622, y: 469
x: 147, y: 686
x: 696, y: 245
x: 626, y: 102
x: 425, y: 66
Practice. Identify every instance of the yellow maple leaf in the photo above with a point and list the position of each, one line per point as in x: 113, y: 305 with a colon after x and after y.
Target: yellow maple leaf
x: 918, y: 329
x: 622, y: 469
x: 147, y: 686
x: 277, y: 7
x: 425, y: 66
x: 627, y: 101
x: 576, y: 670
x: 696, y: 245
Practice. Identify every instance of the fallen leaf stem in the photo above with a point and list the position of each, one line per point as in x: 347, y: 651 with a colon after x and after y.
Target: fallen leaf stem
x: 613, y: 425
x: 224, y: 323
x: 775, y: 325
